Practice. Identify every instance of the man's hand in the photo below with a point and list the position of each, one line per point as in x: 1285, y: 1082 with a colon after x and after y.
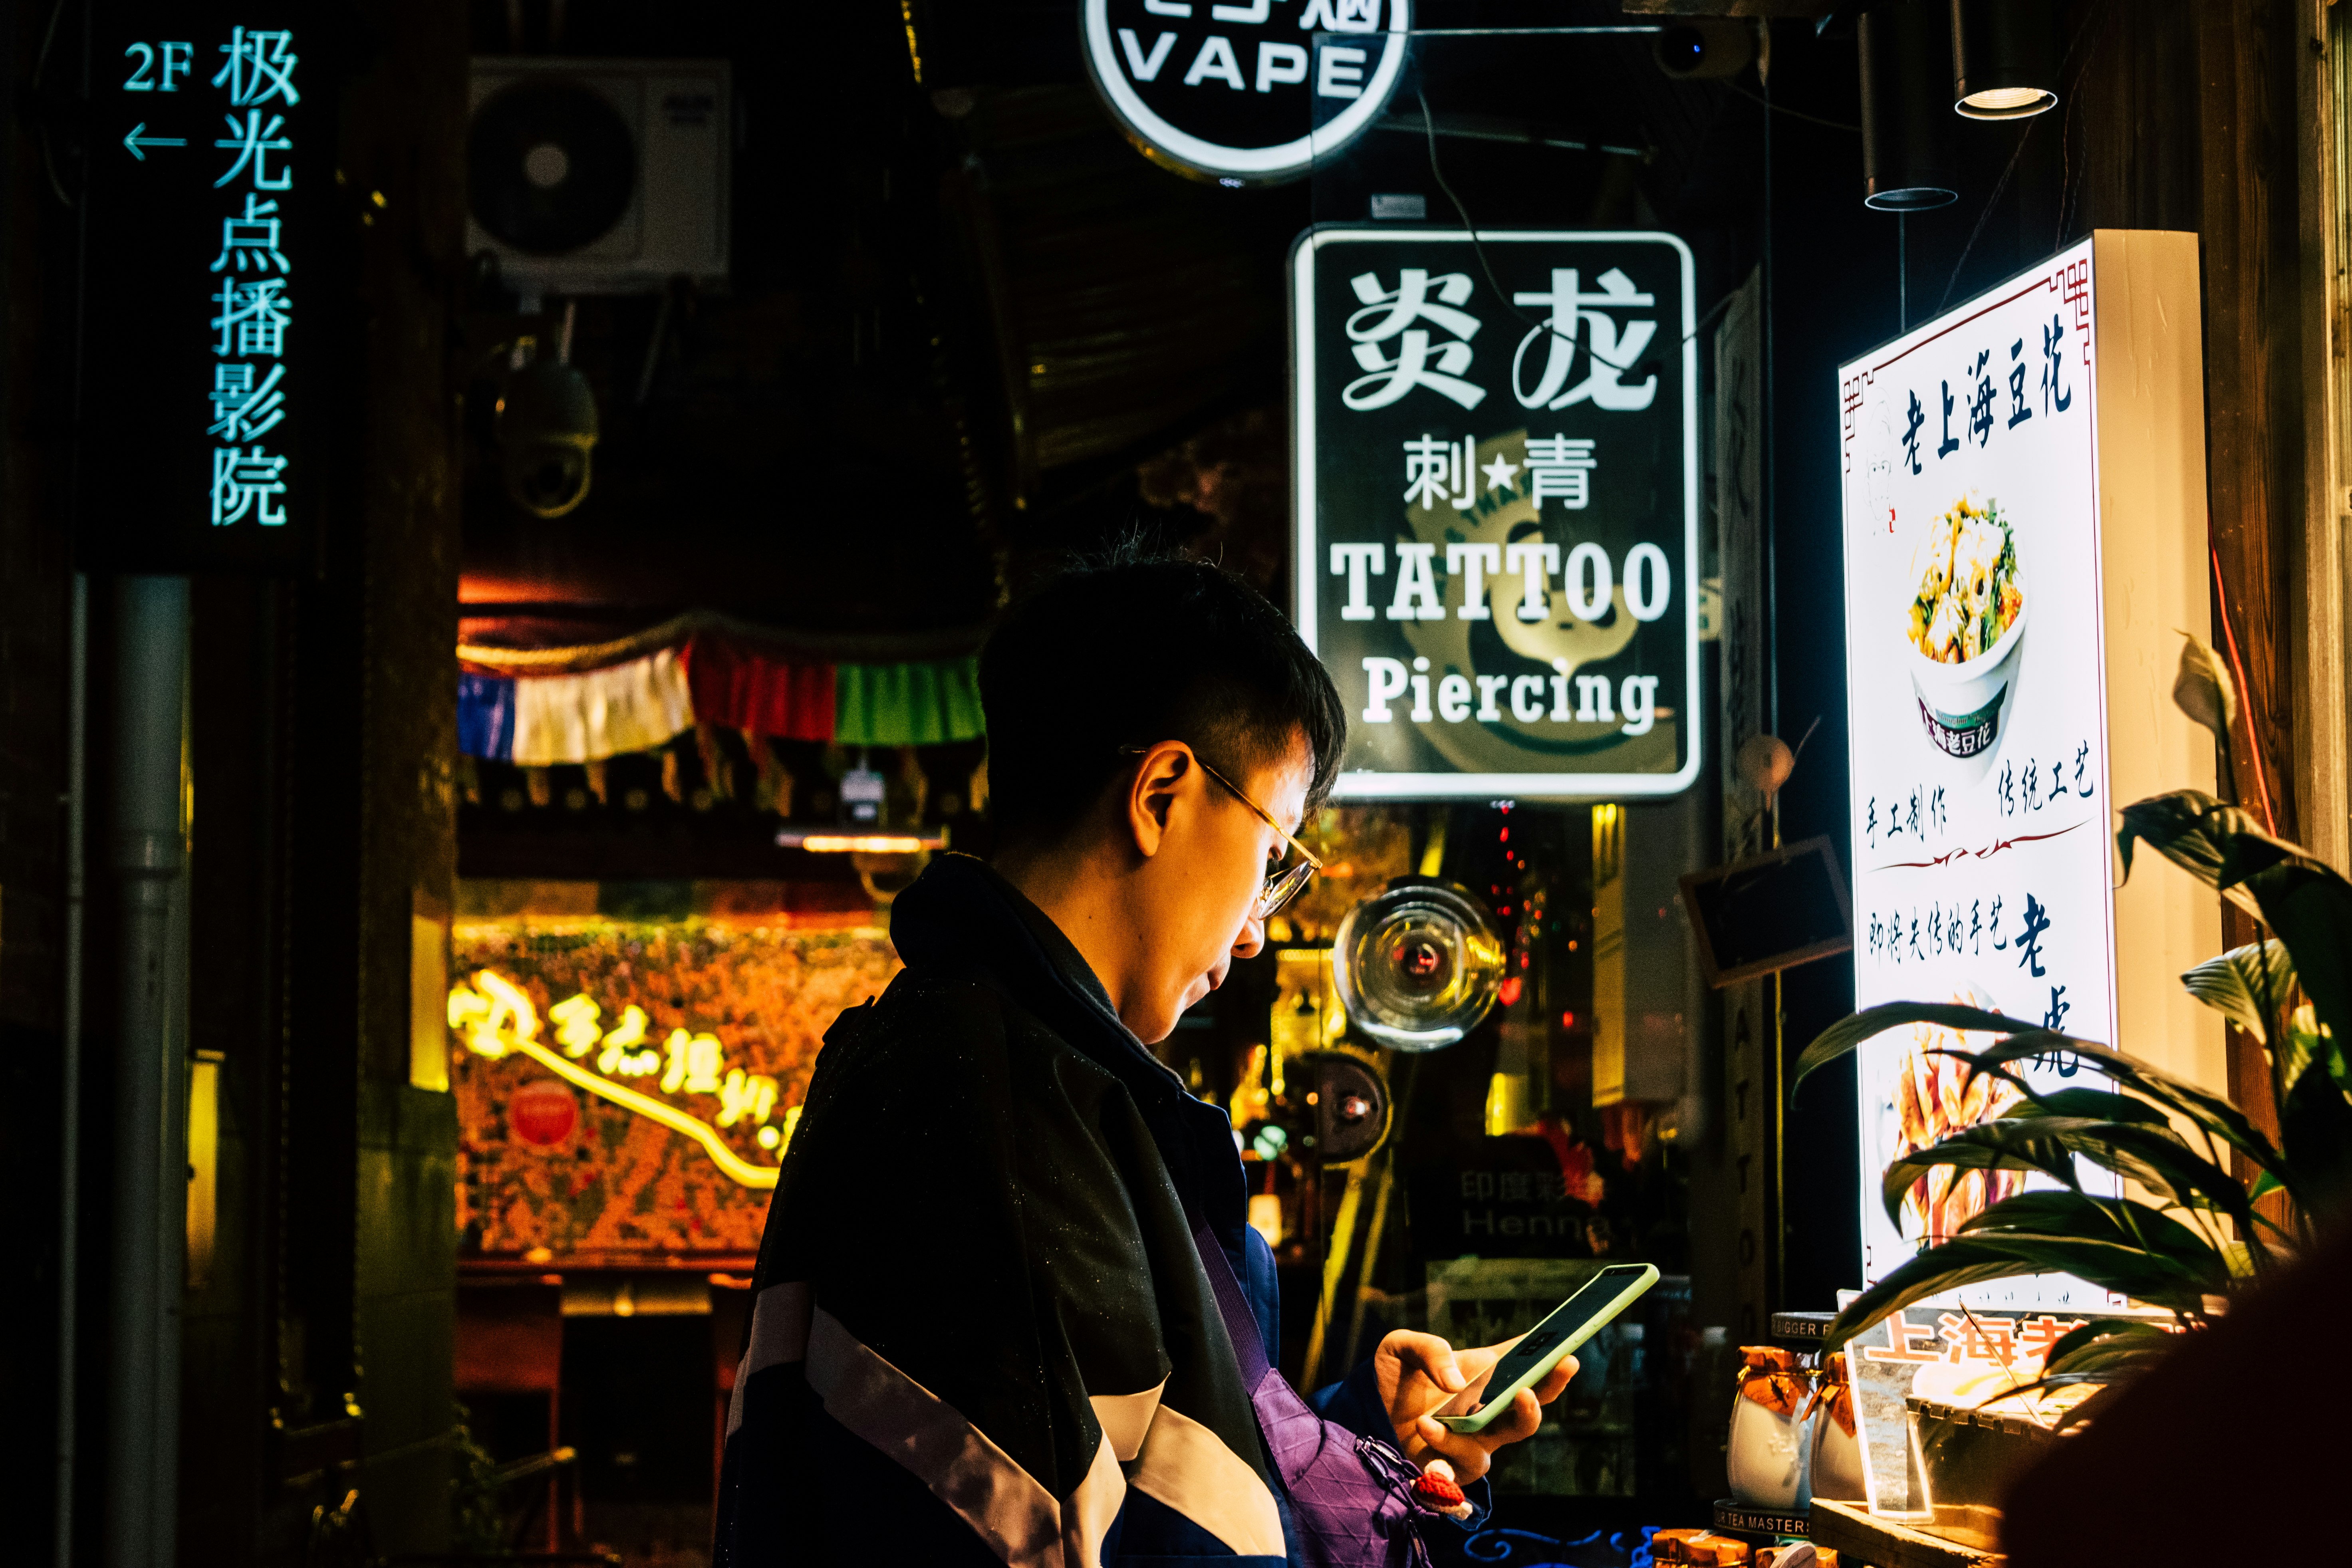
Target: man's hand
x: 1419, y: 1373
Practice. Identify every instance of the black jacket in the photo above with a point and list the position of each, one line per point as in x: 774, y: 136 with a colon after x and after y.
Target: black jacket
x: 981, y: 1333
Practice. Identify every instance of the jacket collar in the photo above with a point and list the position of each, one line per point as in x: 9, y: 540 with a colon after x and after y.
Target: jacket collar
x: 960, y: 916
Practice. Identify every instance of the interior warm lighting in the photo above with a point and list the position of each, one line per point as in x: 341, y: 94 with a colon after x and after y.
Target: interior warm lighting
x: 861, y: 843
x: 2008, y: 102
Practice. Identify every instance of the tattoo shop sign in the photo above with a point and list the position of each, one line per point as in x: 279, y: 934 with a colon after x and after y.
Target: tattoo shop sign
x: 1497, y: 509
x: 204, y: 135
x: 1246, y: 93
x: 2024, y: 484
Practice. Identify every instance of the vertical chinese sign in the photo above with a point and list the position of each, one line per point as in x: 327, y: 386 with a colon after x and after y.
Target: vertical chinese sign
x: 2023, y: 483
x: 205, y: 142
x: 1497, y: 509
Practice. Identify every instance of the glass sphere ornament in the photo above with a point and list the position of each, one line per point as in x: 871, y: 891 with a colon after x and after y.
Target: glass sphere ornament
x: 1417, y: 964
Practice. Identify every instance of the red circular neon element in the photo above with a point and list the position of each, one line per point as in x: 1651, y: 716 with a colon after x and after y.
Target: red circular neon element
x: 542, y: 1113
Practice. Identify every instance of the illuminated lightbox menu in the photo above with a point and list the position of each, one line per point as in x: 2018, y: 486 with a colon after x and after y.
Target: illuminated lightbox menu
x: 2024, y: 515
x: 207, y: 141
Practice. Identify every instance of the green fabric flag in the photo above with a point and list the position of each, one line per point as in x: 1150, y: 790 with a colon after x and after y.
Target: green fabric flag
x: 921, y: 704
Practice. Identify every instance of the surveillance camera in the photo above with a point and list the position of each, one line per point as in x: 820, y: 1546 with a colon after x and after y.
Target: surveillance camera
x: 1705, y: 50
x: 547, y: 428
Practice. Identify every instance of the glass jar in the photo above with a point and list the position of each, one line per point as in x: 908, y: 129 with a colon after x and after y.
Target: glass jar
x: 1769, y: 1457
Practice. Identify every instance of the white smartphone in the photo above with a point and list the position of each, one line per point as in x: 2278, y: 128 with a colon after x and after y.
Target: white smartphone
x: 1547, y: 1344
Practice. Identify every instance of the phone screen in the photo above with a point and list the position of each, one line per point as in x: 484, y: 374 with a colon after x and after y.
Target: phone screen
x: 1565, y: 1321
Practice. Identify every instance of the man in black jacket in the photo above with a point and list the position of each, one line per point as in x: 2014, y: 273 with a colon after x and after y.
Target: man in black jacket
x: 983, y: 1331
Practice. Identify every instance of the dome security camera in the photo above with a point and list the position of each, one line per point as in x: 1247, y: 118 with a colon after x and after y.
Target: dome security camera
x: 547, y: 429
x: 1704, y: 50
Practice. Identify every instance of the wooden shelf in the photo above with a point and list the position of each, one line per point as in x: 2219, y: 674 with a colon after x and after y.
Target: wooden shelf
x: 1859, y: 1538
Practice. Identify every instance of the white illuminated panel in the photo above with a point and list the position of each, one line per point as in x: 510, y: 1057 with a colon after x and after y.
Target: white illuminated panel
x: 2024, y: 534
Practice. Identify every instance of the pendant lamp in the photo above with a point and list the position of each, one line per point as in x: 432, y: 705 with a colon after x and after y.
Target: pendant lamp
x: 2004, y: 59
x: 1907, y: 163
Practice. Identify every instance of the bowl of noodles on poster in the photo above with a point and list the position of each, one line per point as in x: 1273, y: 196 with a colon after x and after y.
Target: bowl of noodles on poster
x: 1964, y: 622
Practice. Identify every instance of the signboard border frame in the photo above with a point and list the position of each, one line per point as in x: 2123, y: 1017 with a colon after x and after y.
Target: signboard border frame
x: 1877, y: 357
x: 1366, y: 783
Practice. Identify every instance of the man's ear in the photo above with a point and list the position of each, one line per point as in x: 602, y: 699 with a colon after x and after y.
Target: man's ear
x: 1168, y: 770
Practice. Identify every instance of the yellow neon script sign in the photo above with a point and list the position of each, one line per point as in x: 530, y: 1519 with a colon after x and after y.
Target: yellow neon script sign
x: 495, y: 1016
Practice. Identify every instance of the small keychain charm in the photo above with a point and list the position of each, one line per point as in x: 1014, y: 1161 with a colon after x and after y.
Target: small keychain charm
x: 1438, y: 1492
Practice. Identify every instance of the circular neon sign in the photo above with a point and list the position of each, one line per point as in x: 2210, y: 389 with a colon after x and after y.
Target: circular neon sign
x: 1246, y: 93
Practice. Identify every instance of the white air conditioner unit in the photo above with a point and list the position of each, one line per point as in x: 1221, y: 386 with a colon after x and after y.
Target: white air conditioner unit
x: 589, y: 176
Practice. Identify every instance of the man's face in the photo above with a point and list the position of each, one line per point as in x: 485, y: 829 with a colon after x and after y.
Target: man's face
x: 1201, y: 888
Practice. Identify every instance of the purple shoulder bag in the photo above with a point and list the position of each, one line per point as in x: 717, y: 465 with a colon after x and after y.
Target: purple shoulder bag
x: 1351, y: 1496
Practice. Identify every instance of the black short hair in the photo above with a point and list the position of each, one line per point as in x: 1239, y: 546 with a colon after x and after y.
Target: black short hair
x: 1131, y: 649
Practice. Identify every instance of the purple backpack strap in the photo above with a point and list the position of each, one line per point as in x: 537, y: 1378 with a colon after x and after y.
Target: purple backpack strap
x: 1351, y: 1496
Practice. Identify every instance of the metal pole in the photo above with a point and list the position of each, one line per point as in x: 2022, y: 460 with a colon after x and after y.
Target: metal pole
x: 147, y: 853
x: 70, y: 1066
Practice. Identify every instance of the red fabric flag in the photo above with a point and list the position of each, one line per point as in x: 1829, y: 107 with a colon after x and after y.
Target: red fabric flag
x: 737, y: 685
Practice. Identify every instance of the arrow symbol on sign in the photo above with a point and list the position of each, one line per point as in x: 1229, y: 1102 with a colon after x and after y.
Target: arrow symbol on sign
x: 135, y: 141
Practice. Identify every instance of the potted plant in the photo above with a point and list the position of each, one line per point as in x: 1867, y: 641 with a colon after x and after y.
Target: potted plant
x: 2189, y: 1235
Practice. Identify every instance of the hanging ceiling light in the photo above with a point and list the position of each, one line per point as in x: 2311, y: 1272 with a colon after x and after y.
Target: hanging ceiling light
x: 2004, y: 59
x: 1907, y: 154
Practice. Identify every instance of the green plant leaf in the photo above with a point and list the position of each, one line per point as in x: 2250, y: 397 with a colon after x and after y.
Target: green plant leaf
x: 2107, y: 1369
x: 2250, y: 985
x: 2163, y: 1163
x: 1975, y: 1257
x: 2119, y: 1222
x: 2108, y: 1350
x: 2315, y: 1127
x: 2003, y: 1146
x: 2202, y: 688
x: 2090, y: 1104
x: 2289, y: 1056
x: 2209, y: 1111
x: 2121, y: 1245
x: 1851, y: 1031
x: 2188, y: 828
x: 2310, y: 909
x: 2153, y: 1154
x: 2116, y: 1333
x: 2085, y: 1411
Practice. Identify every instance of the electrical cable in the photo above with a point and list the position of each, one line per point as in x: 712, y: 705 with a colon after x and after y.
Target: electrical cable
x: 2098, y: 21
x: 1990, y: 202
x: 1792, y: 113
x: 41, y: 65
x: 1525, y: 32
x: 1429, y: 128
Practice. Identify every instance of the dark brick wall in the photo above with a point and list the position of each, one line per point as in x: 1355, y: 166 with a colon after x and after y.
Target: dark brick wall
x: 318, y: 1358
x: 34, y: 589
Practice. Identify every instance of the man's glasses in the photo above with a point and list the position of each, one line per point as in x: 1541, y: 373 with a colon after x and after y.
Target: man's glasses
x: 1286, y: 883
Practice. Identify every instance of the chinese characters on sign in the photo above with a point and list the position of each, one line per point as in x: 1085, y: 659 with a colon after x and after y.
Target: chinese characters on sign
x: 1981, y: 806
x: 190, y: 244
x: 494, y: 1016
x: 1496, y: 551
x: 252, y: 307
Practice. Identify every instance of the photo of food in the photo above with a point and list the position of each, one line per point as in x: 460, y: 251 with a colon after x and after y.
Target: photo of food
x: 1936, y: 1096
x: 1968, y: 592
